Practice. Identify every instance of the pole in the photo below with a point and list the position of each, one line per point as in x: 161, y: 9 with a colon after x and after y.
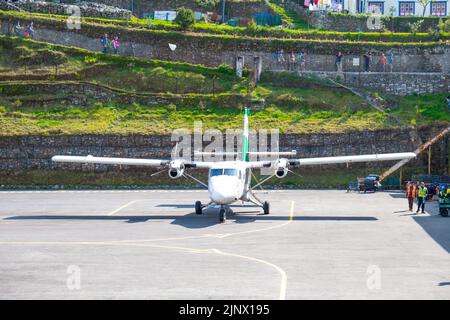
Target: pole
x: 429, y: 160
x: 223, y: 11
x: 401, y: 177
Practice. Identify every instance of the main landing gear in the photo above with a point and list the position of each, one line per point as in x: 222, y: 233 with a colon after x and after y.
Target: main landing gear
x: 266, y: 207
x: 223, y: 209
x: 198, y: 207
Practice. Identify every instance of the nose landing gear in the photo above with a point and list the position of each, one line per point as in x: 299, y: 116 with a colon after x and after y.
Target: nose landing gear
x: 222, y: 214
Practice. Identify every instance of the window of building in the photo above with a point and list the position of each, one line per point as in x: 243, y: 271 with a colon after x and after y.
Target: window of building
x: 406, y: 8
x: 376, y: 7
x: 439, y: 8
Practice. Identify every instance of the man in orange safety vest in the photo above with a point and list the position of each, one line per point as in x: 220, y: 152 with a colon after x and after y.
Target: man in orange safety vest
x: 411, y: 193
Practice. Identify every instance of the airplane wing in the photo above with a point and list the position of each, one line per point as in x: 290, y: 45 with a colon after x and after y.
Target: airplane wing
x: 350, y: 159
x: 131, y: 161
x: 105, y: 160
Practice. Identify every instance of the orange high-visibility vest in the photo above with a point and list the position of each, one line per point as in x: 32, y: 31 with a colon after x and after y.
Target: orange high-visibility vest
x: 411, y: 190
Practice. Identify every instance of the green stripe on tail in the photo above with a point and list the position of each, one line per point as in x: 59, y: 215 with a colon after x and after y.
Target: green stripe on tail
x: 245, y: 137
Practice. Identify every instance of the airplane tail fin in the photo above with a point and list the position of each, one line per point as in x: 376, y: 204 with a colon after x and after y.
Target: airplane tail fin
x: 245, y: 142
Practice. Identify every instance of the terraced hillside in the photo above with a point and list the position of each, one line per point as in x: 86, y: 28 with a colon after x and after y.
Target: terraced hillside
x: 56, y: 89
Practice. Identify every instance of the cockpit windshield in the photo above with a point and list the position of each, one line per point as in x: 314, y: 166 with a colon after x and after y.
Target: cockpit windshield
x: 221, y: 172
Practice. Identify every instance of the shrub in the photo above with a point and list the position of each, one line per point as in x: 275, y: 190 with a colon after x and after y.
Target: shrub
x: 444, y: 26
x: 185, y: 18
x: 414, y: 27
x: 225, y: 69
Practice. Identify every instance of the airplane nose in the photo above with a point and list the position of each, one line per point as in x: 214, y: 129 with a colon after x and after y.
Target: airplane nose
x: 222, y: 193
x: 223, y: 197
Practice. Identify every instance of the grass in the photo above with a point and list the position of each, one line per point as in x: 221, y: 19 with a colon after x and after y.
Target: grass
x: 419, y: 109
x: 315, y: 178
x: 112, y: 118
x: 286, y: 102
x: 288, y: 16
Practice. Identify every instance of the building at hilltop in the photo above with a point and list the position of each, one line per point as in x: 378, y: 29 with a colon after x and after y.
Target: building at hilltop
x: 396, y: 8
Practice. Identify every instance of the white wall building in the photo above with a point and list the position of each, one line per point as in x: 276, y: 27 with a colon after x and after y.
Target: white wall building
x: 436, y: 8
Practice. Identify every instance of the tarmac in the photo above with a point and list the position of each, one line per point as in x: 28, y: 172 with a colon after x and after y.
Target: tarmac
x: 150, y: 245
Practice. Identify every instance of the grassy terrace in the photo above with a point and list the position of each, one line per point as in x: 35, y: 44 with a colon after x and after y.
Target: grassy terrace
x: 305, y: 179
x: 229, y: 32
x: 212, y: 95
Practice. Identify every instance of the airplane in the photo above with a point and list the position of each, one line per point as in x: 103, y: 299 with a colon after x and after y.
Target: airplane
x: 230, y: 181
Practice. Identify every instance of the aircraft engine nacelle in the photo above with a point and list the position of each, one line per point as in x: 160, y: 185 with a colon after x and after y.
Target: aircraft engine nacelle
x: 281, y: 172
x: 176, y: 169
x: 175, y: 173
x: 281, y: 168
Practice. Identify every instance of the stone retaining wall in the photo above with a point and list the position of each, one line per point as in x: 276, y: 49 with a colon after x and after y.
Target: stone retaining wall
x: 35, y: 152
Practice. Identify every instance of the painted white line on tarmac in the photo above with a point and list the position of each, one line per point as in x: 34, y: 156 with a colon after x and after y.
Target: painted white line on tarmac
x: 283, y: 283
x: 291, y: 218
x: 123, y: 207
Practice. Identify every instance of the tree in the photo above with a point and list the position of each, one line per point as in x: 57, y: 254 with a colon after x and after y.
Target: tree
x: 185, y: 18
x: 424, y: 4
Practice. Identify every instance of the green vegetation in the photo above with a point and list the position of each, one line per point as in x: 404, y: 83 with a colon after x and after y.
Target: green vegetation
x: 419, y: 109
x: 311, y: 178
x: 225, y: 33
x: 288, y: 16
x: 185, y: 18
x: 140, y: 96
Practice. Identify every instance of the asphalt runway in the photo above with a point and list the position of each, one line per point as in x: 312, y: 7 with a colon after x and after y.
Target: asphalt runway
x: 150, y: 245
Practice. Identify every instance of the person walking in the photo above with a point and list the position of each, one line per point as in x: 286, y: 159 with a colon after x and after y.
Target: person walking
x: 422, y: 192
x: 390, y: 60
x: 301, y: 60
x: 367, y: 57
x: 382, y: 62
x: 411, y: 192
x: 292, y: 61
x: 105, y: 43
x: 115, y: 44
x: 29, y: 30
x: 17, y: 29
x: 338, y: 62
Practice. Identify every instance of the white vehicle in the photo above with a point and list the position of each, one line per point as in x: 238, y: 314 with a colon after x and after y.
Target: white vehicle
x: 230, y: 181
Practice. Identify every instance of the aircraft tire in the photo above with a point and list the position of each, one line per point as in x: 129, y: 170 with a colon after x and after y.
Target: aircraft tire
x: 198, y: 207
x: 222, y: 215
x: 266, y: 207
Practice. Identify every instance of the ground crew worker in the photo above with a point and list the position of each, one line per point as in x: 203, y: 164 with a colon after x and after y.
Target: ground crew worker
x: 443, y: 193
x: 422, y: 192
x: 411, y: 191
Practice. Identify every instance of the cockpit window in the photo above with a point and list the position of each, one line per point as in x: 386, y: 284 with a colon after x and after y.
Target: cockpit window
x: 230, y: 172
x: 226, y: 172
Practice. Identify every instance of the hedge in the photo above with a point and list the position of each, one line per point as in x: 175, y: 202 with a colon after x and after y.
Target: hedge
x: 257, y: 32
x: 221, y: 42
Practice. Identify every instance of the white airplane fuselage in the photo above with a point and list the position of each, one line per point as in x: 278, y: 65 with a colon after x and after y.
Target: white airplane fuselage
x: 228, y: 182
